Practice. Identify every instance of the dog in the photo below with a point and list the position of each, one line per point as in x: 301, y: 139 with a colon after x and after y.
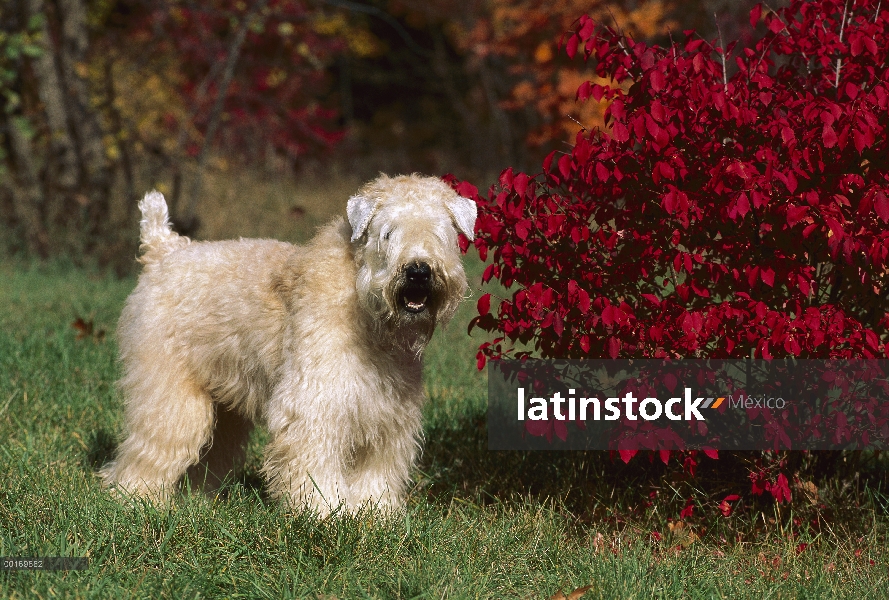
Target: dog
x: 323, y: 343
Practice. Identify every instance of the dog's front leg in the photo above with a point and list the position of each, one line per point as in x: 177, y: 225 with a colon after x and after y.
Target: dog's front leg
x: 381, y: 472
x: 304, y: 460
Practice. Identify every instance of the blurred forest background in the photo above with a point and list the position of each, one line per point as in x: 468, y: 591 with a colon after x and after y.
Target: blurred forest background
x: 260, y: 118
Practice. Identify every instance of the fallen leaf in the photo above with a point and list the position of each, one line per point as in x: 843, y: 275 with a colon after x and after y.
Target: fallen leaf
x: 83, y: 328
x: 579, y: 592
x: 808, y: 489
x: 575, y: 595
x: 87, y: 329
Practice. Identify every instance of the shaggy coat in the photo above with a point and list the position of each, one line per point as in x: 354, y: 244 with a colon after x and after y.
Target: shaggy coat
x: 323, y: 343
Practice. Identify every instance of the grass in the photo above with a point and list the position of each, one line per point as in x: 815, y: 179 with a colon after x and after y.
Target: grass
x: 478, y: 523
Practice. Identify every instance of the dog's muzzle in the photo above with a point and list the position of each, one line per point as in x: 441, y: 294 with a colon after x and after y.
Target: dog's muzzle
x: 414, y: 296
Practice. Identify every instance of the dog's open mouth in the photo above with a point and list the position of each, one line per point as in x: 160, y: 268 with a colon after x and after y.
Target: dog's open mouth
x: 414, y: 300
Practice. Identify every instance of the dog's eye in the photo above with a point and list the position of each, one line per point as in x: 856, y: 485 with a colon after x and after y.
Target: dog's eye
x: 386, y: 235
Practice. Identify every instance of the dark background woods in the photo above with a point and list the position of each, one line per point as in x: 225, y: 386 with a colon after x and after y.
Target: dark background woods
x: 101, y: 100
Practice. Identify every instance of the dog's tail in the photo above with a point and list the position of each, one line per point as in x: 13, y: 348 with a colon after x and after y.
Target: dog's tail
x: 156, y: 233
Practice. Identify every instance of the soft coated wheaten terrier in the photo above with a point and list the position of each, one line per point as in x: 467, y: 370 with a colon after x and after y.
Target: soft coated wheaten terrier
x: 323, y: 343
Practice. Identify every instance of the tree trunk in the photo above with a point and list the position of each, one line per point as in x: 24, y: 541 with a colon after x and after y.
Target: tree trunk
x: 63, y: 157
x: 26, y: 192
x: 61, y: 177
x: 95, y: 175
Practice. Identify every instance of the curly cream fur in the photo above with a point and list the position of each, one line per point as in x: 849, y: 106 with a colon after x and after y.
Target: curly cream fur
x: 311, y: 340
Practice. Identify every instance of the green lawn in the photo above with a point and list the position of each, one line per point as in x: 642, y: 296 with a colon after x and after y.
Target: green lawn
x: 478, y: 523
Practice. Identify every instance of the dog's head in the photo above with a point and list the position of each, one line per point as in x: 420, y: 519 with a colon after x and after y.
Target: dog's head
x: 404, y: 230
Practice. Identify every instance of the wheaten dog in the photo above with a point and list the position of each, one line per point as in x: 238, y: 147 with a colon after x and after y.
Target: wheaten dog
x: 323, y: 343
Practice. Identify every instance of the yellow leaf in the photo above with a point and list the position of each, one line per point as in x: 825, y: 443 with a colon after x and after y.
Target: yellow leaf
x: 544, y: 52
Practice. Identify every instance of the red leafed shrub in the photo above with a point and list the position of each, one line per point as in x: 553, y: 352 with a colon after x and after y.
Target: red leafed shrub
x: 736, y: 204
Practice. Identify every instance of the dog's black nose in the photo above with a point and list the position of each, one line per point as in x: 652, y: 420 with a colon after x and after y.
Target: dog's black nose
x: 418, y: 273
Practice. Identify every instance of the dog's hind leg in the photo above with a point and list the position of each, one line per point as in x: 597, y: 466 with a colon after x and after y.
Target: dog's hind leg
x: 168, y: 419
x: 227, y: 450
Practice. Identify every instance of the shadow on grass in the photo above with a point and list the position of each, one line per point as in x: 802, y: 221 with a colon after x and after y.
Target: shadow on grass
x: 597, y: 486
x: 101, y: 449
x: 103, y: 445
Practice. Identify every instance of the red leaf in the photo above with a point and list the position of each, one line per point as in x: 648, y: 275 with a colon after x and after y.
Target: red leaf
x: 658, y: 81
x: 523, y: 228
x: 558, y: 325
x: 583, y: 301
x: 484, y: 304
x: 653, y: 128
x: 693, y: 44
x: 587, y: 28
x: 835, y: 227
x: 597, y: 91
x: 804, y: 285
x: 602, y: 172
x: 787, y: 135
x: 724, y: 507
x: 626, y: 455
x: 781, y: 489
x: 790, y: 182
x: 565, y: 165
x: 520, y: 184
x: 829, y: 137
x: 742, y: 205
x: 657, y: 111
x: 863, y: 139
x: 768, y: 276
x: 652, y: 298
x: 775, y: 24
x: 539, y: 428
x: 619, y: 132
x: 795, y: 214
x: 571, y: 46
x: 755, y: 14
x: 881, y: 206
x: 467, y: 190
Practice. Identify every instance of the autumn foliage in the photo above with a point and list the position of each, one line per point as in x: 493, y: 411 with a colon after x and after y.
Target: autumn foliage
x: 734, y: 206
x: 522, y: 35
x: 274, y: 85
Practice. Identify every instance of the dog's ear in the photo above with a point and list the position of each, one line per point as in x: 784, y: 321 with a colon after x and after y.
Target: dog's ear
x: 464, y: 211
x: 359, y: 210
